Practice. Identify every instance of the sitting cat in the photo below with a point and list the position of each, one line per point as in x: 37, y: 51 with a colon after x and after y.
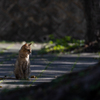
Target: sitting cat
x: 22, y: 65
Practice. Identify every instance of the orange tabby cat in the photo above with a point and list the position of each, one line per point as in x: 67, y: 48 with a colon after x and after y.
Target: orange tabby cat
x: 22, y: 65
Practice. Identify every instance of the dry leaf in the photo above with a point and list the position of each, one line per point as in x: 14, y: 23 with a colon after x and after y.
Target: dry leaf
x: 0, y: 86
x: 33, y: 76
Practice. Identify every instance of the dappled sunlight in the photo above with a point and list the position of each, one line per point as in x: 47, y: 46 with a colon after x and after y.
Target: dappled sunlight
x: 1, y: 65
x: 50, y: 71
x: 45, y: 67
x: 71, y: 63
x: 13, y: 83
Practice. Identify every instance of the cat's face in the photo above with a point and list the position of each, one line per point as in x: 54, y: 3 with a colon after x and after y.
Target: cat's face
x: 27, y: 48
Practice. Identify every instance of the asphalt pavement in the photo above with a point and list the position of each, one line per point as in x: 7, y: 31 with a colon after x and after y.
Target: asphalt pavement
x: 45, y: 67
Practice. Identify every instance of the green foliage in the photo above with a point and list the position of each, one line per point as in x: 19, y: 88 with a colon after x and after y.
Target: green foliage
x: 61, y: 45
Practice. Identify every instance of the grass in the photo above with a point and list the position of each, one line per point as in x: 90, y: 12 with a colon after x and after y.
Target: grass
x: 62, y: 45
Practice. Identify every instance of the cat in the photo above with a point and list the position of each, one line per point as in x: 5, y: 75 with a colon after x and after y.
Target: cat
x: 22, y: 65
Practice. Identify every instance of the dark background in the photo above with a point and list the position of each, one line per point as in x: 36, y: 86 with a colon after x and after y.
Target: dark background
x: 35, y: 20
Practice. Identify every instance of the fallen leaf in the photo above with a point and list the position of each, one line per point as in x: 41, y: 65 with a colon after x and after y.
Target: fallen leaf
x: 0, y: 86
x: 33, y: 76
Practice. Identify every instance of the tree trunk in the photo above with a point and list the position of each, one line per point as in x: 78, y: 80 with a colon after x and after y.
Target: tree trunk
x: 91, y: 13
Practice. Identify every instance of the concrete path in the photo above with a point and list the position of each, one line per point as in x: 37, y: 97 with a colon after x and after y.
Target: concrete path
x: 45, y: 67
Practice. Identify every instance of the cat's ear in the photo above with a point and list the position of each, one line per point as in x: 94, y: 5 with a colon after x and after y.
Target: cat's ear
x: 30, y: 44
x: 25, y: 44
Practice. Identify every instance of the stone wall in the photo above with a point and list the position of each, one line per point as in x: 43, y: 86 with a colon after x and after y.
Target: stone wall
x: 35, y: 20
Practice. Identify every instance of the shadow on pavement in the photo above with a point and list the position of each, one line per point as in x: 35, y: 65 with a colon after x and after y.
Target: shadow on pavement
x: 45, y: 67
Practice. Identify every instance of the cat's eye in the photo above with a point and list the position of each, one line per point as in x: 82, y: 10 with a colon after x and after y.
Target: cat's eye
x: 28, y: 50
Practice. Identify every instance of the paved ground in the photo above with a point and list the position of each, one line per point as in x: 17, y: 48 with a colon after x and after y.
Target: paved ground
x: 45, y: 67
